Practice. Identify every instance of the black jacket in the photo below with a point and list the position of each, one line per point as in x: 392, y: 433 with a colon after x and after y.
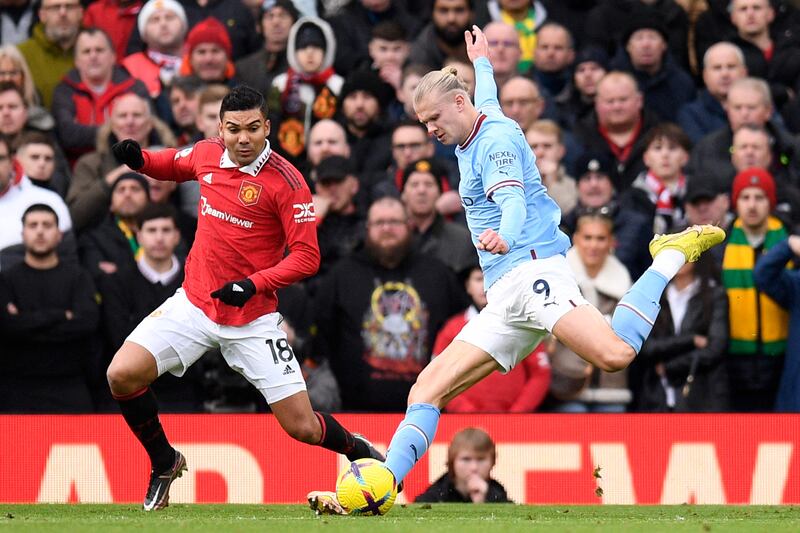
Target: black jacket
x: 707, y: 315
x: 588, y: 135
x: 377, y: 326
x: 106, y: 242
x: 443, y: 490
x: 46, y: 357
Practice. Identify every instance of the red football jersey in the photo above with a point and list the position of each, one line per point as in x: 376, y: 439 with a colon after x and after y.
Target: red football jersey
x: 247, y: 218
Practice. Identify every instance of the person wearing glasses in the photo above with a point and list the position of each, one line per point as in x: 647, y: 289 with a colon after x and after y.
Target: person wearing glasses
x: 504, y: 51
x: 50, y: 52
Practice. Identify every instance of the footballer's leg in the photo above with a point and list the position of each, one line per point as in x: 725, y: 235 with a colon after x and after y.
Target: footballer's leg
x: 129, y: 375
x: 456, y: 369
x: 301, y: 422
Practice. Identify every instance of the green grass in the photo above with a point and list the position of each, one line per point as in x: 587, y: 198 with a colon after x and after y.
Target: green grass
x: 460, y: 518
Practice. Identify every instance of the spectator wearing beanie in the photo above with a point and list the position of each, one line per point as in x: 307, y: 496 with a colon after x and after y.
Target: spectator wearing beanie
x: 163, y: 26
x: 577, y: 102
x: 758, y: 326
x: 363, y: 100
x: 665, y: 85
x: 208, y: 54
x: 115, y: 17
x: 307, y: 92
x: 259, y: 68
x: 603, y: 27
x: 112, y: 245
x: 435, y: 236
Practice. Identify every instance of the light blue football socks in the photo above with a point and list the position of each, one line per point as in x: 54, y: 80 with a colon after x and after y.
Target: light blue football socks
x: 636, y: 312
x: 412, y: 439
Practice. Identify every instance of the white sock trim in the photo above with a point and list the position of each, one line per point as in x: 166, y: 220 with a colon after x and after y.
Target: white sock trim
x: 668, y: 262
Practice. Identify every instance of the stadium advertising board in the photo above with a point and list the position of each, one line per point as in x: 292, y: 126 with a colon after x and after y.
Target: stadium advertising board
x: 541, y: 459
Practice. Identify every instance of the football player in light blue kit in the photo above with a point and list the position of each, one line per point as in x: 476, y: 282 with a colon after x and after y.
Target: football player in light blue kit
x: 530, y: 288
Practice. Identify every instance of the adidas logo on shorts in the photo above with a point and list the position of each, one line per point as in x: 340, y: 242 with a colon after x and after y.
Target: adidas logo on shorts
x: 288, y: 370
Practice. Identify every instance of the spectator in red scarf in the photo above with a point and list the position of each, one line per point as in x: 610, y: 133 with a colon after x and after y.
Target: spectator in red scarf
x: 162, y: 25
x: 661, y: 187
x: 308, y: 91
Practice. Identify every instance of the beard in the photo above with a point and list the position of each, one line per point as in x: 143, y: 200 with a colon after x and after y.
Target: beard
x: 41, y: 253
x: 388, y: 257
x: 451, y: 37
x: 61, y: 35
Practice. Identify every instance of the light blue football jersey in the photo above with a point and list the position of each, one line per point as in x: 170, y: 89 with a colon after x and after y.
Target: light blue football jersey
x: 501, y: 187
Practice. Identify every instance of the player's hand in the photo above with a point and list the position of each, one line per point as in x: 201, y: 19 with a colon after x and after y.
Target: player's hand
x: 491, y: 241
x: 477, y: 44
x: 128, y: 152
x: 235, y: 293
x: 477, y: 488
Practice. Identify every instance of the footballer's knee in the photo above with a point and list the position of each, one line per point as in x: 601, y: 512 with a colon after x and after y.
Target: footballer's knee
x: 616, y: 357
x: 132, y: 369
x: 122, y: 379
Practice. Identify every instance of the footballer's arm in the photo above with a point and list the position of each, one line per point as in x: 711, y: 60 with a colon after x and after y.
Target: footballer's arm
x: 170, y: 164
x: 296, y: 210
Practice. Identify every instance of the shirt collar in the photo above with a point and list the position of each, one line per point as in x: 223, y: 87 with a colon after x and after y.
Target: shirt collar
x: 253, y: 168
x: 154, y: 276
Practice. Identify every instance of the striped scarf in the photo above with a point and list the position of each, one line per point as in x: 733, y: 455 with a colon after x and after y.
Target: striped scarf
x: 758, y: 324
x: 130, y: 236
x: 526, y: 30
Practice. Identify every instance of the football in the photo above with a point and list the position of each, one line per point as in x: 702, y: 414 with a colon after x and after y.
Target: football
x: 366, y: 487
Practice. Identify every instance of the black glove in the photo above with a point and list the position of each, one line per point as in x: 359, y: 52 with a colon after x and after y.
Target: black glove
x: 235, y: 293
x: 128, y: 152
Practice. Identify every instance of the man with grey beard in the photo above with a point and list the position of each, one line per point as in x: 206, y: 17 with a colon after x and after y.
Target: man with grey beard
x: 50, y: 50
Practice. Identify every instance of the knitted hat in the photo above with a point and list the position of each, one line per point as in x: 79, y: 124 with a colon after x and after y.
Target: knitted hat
x: 135, y: 176
x: 592, y: 54
x: 430, y: 166
x: 597, y: 162
x: 309, y: 34
x: 369, y: 82
x: 209, y: 30
x: 698, y: 190
x: 150, y: 8
x: 288, y: 5
x: 333, y: 168
x: 644, y: 18
x: 754, y: 177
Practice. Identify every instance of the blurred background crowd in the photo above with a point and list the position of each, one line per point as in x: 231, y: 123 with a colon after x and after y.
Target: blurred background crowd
x: 645, y: 116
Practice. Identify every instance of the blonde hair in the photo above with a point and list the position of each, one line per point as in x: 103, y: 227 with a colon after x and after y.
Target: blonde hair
x: 473, y: 439
x: 439, y: 83
x: 547, y: 127
x: 9, y: 51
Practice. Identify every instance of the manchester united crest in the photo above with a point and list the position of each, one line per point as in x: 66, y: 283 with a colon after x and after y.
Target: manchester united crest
x: 249, y: 193
x: 291, y: 137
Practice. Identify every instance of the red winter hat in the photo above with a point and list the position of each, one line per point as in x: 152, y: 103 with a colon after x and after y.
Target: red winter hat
x: 209, y: 30
x: 754, y: 177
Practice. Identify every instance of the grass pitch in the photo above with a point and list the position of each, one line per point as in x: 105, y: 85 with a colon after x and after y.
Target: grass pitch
x: 460, y: 518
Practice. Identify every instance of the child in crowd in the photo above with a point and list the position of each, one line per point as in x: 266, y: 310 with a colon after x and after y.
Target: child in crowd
x: 470, y: 459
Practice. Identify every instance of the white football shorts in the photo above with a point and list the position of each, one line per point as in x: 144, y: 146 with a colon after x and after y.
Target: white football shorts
x: 523, y: 306
x: 177, y: 334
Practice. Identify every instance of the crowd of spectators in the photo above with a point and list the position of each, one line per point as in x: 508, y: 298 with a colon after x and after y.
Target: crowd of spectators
x: 645, y: 116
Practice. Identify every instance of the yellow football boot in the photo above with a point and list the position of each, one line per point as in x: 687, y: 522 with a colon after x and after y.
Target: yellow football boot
x: 692, y: 241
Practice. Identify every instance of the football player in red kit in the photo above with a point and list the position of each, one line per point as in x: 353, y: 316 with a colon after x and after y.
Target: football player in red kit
x: 254, y: 206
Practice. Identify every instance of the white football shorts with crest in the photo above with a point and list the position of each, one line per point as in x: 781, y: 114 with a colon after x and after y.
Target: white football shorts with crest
x: 523, y: 306
x: 177, y: 334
